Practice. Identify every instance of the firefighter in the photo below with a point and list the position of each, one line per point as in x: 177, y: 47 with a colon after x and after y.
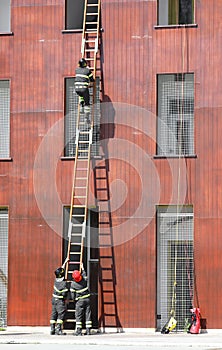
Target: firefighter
x: 80, y: 293
x: 59, y: 297
x: 82, y: 80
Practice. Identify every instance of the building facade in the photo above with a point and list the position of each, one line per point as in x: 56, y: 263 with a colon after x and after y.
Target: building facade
x: 155, y: 173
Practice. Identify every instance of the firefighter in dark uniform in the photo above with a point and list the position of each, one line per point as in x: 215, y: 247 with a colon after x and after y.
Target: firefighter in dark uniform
x: 83, y: 77
x: 80, y: 293
x: 59, y: 297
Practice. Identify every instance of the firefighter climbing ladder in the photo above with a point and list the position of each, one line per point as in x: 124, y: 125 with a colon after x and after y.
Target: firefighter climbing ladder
x: 84, y: 134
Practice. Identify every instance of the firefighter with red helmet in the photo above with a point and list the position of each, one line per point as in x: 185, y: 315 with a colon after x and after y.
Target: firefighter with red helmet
x: 80, y: 293
x: 59, y: 296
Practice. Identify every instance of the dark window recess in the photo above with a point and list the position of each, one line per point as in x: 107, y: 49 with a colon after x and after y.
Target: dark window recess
x: 175, y: 12
x: 74, y: 14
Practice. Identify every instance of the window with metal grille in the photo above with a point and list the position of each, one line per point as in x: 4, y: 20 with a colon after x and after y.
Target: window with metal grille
x: 5, y: 16
x: 3, y: 266
x: 173, y: 12
x: 71, y: 114
x: 174, y: 264
x: 175, y: 134
x: 4, y: 118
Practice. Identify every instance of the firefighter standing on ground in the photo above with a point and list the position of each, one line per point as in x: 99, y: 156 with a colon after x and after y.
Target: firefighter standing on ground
x: 80, y: 293
x: 59, y: 297
x: 83, y: 77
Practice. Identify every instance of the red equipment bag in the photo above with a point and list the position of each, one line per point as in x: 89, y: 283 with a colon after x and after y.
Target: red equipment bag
x: 195, y: 321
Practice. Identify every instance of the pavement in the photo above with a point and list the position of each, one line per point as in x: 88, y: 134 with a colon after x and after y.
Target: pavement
x: 140, y: 338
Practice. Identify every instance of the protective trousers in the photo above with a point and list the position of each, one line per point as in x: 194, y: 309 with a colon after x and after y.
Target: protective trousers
x: 58, y: 310
x: 84, y: 92
x: 83, y: 308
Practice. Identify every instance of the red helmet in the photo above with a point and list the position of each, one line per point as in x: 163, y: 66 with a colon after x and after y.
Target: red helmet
x: 76, y: 275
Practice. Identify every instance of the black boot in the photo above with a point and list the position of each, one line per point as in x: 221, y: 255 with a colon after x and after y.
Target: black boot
x: 78, y: 331
x: 59, y: 330
x: 52, y: 331
x: 88, y: 331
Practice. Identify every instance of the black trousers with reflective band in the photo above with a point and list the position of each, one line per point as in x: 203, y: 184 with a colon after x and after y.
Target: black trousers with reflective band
x: 83, y: 308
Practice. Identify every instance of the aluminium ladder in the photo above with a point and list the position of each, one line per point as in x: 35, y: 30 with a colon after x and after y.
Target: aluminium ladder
x: 84, y: 135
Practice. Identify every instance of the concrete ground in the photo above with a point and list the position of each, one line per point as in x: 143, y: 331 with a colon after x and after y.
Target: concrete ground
x: 129, y: 338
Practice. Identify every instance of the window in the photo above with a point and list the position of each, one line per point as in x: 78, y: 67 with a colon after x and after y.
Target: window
x: 5, y: 25
x: 74, y: 14
x: 4, y: 118
x: 174, y: 264
x: 173, y: 12
x: 175, y: 135
x: 71, y: 113
x: 3, y: 266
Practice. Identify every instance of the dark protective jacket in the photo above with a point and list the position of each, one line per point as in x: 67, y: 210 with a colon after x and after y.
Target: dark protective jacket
x: 80, y: 290
x: 60, y: 289
x: 83, y: 78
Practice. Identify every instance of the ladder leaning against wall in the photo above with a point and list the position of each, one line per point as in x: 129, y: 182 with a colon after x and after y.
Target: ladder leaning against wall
x: 83, y: 143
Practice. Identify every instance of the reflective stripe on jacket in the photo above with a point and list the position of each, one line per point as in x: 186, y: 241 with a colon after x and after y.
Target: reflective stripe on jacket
x: 60, y: 289
x: 83, y: 77
x: 80, y: 289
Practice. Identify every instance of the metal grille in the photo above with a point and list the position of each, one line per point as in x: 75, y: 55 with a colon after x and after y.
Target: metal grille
x: 71, y: 119
x: 174, y: 264
x: 4, y: 118
x: 3, y: 266
x: 175, y: 114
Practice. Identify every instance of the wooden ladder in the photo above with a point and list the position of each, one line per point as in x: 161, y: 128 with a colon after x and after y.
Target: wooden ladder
x: 84, y: 135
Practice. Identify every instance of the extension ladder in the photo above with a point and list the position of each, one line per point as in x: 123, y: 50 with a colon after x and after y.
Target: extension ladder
x: 84, y: 135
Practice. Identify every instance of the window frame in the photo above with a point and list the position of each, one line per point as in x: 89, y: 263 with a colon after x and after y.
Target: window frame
x: 7, y: 137
x: 175, y: 25
x: 168, y: 237
x: 4, y: 214
x: 162, y: 150
x: 79, y: 13
x: 6, y: 15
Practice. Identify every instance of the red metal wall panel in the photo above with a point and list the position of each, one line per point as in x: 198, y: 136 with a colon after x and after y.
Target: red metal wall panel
x: 36, y: 59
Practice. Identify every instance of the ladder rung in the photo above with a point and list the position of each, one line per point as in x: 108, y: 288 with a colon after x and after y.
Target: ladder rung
x: 90, y: 31
x: 78, y: 215
x: 74, y: 262
x: 79, y: 206
x: 80, y: 187
x: 91, y: 13
x: 91, y: 22
x: 110, y: 315
x: 107, y: 280
x: 95, y: 4
x: 75, y: 243
x: 81, y: 178
x: 79, y: 196
x: 109, y: 302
